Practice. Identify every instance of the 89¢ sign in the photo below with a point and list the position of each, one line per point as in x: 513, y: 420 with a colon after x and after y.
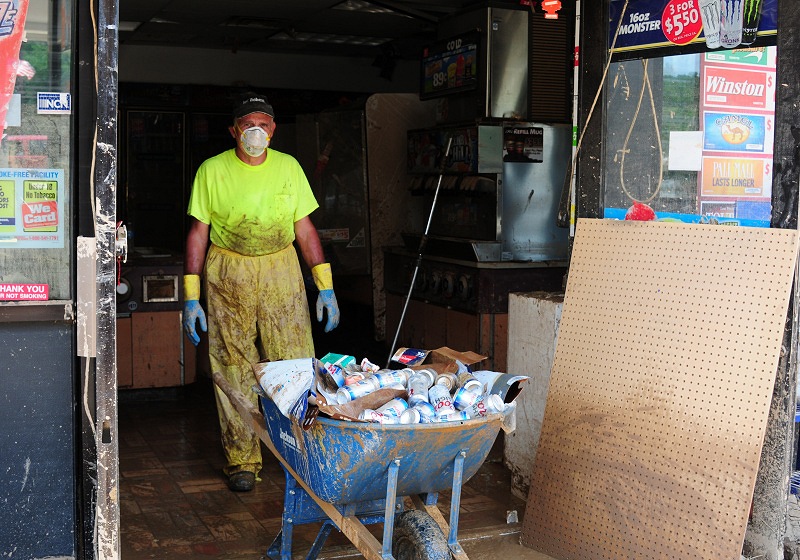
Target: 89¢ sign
x: 681, y: 21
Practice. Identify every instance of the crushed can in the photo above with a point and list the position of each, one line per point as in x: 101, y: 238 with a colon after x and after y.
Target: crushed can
x: 368, y: 366
x: 465, y: 398
x: 386, y: 377
x: 354, y: 377
x: 418, y: 384
x: 452, y: 417
x: 359, y: 389
x: 425, y: 409
x: 469, y: 382
x: 448, y: 380
x: 485, y: 405
x: 374, y: 416
x: 332, y: 377
x: 439, y: 396
x: 394, y: 407
x: 410, y: 416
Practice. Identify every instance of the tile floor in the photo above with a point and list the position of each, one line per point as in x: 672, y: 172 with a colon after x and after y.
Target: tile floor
x: 175, y: 504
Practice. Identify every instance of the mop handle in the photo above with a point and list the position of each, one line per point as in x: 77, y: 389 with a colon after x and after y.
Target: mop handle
x: 422, y: 243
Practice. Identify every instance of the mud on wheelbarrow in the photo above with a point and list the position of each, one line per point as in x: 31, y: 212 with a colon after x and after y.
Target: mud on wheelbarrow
x: 348, y: 474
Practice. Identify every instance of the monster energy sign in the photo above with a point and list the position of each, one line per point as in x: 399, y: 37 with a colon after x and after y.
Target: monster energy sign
x: 725, y: 24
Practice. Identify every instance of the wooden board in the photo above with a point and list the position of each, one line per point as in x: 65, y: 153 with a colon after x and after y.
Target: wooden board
x: 660, y: 390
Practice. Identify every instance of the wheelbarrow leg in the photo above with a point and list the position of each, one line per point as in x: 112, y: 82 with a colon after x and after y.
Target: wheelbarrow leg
x: 319, y: 542
x: 388, y: 518
x: 455, y: 503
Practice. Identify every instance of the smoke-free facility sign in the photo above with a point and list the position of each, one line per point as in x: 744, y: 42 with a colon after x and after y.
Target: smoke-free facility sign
x: 31, y: 208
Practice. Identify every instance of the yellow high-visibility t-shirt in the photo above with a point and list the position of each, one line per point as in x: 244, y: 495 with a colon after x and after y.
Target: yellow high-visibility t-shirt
x: 251, y: 208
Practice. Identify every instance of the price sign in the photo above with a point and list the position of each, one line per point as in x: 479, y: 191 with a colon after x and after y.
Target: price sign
x: 681, y: 21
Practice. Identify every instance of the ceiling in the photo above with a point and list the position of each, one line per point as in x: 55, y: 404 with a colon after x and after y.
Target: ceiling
x: 393, y: 28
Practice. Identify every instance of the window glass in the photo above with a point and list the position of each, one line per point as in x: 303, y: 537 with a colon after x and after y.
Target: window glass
x: 35, y: 179
x: 691, y: 137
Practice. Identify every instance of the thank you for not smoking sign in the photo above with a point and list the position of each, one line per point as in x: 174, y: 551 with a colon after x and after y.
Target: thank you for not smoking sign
x: 24, y: 292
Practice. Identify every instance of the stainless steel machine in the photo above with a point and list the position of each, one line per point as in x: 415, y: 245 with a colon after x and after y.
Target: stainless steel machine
x: 493, y: 228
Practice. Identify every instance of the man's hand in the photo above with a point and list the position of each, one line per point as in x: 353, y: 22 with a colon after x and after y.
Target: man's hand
x: 327, y: 300
x: 192, y: 310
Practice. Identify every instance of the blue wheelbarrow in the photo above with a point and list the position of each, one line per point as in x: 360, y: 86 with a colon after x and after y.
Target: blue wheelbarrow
x: 348, y: 474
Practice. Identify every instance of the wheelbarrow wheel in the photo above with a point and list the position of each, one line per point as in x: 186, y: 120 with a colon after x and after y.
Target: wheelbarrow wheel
x: 418, y: 537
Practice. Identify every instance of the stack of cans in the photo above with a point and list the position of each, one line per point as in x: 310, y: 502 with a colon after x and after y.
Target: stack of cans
x: 432, y: 397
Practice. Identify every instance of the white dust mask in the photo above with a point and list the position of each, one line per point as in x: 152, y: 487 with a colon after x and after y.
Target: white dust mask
x: 254, y: 141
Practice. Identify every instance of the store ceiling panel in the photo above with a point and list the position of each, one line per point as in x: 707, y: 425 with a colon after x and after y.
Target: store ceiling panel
x: 344, y: 28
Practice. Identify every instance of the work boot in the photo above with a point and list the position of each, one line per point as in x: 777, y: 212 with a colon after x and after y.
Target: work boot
x: 242, y: 481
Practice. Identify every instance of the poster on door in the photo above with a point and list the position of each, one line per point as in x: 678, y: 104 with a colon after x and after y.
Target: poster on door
x: 31, y: 208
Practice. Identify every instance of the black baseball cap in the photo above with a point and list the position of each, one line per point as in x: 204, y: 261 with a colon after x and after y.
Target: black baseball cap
x: 251, y: 102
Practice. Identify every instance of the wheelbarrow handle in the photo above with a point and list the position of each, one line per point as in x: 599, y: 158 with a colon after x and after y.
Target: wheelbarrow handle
x: 358, y: 534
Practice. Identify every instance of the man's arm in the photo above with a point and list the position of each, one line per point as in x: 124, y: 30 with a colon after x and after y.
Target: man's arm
x: 196, y: 247
x: 311, y: 248
x: 308, y: 240
x: 194, y: 259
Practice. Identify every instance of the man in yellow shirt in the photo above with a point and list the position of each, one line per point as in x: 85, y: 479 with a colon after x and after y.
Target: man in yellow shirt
x: 252, y: 203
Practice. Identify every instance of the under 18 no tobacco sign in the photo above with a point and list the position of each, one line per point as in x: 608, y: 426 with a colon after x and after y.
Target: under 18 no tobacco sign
x: 31, y: 208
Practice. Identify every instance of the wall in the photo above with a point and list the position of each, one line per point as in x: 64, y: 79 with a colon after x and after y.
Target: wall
x: 533, y: 320
x: 262, y: 70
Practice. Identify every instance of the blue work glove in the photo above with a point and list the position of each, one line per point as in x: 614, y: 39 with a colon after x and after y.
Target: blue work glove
x: 327, y: 300
x: 192, y: 311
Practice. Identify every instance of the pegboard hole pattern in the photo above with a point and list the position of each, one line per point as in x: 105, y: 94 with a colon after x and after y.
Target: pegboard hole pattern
x: 660, y: 390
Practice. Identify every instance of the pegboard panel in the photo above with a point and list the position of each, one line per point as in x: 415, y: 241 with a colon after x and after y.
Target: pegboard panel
x: 660, y: 390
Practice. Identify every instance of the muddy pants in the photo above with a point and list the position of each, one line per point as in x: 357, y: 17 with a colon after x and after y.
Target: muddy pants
x: 257, y: 309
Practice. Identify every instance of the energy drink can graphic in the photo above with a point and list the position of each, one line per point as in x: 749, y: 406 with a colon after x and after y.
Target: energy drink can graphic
x: 711, y: 16
x: 751, y: 17
x: 730, y: 34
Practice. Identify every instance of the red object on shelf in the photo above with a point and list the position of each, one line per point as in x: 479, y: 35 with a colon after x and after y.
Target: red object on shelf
x: 640, y: 212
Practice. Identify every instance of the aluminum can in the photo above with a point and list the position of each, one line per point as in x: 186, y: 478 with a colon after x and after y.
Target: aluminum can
x: 485, y: 405
x: 448, y: 380
x: 439, y: 396
x: 388, y: 377
x: 359, y: 389
x: 374, y: 416
x: 453, y: 417
x: 429, y: 374
x: 425, y: 409
x: 465, y: 398
x: 469, y: 382
x: 334, y: 375
x: 394, y: 407
x: 418, y: 385
x: 410, y: 416
x: 366, y: 365
x: 354, y: 377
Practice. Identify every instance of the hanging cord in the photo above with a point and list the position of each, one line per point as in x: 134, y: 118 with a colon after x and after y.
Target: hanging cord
x: 645, y: 85
x: 572, y: 183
